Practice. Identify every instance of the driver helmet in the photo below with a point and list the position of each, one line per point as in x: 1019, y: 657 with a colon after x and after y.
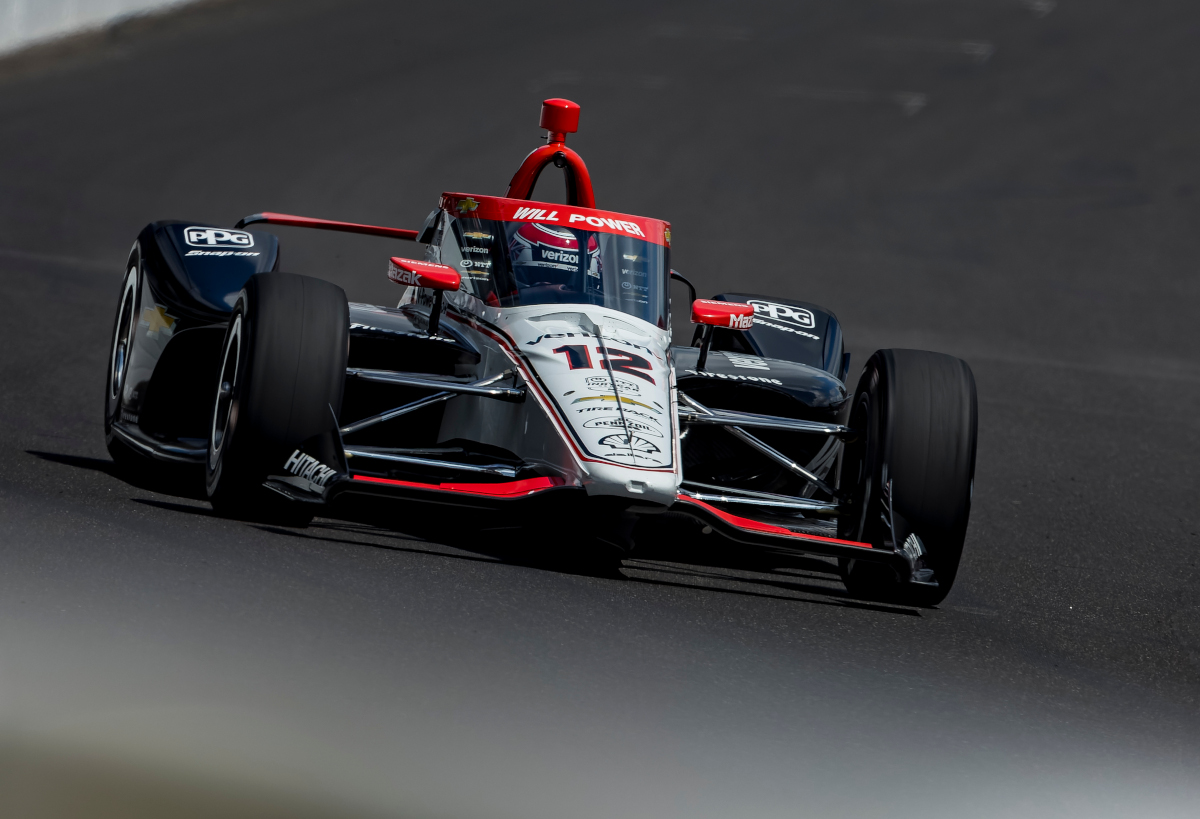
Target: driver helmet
x: 550, y: 254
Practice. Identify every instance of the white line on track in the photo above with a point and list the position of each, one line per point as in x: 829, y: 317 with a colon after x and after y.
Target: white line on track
x: 910, y: 102
x: 979, y: 51
x: 1040, y: 8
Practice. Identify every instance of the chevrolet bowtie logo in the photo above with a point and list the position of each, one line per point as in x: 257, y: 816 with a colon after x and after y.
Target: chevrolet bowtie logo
x: 468, y: 204
x: 155, y: 319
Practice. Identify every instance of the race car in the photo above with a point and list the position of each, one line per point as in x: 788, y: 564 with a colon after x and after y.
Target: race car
x: 527, y: 372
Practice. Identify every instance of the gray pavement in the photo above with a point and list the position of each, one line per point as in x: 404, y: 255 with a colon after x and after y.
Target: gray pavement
x: 1015, y: 183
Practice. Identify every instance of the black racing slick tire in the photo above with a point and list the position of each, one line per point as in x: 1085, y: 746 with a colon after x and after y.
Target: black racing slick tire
x: 120, y: 356
x: 910, y: 472
x: 283, y: 369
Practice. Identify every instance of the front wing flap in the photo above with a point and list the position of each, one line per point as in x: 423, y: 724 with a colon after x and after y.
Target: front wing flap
x: 760, y: 533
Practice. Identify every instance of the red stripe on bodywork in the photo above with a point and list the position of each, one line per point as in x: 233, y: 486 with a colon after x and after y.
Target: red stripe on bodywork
x: 493, y: 490
x: 758, y: 526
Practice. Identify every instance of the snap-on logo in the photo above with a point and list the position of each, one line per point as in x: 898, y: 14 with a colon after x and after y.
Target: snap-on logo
x: 217, y: 237
x: 784, y: 313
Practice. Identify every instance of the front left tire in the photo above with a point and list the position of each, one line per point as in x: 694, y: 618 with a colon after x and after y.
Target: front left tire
x: 282, y: 372
x: 119, y: 358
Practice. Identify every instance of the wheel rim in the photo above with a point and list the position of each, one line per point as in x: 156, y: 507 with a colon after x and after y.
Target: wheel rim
x: 122, y: 338
x: 225, y: 407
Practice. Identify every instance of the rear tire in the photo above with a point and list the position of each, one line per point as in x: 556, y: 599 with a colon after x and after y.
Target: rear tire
x: 283, y: 368
x: 919, y: 414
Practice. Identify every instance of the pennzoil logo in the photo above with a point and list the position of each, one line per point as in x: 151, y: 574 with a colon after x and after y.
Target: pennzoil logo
x: 615, y: 423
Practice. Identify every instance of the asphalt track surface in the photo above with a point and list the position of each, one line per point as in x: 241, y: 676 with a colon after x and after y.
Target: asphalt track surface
x: 1014, y: 183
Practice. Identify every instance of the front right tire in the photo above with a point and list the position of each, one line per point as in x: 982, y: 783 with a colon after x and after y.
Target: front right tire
x: 910, y: 473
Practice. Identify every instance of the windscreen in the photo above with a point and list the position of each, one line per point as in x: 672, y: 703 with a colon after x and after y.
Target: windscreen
x: 507, y: 264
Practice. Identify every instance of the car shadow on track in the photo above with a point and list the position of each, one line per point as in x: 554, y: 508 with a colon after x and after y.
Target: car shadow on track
x: 793, y: 579
x: 682, y: 559
x: 165, y: 479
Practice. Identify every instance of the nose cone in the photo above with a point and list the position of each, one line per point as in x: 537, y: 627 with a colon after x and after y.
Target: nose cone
x: 608, y: 381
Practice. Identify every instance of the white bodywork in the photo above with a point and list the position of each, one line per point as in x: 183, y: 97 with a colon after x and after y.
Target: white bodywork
x: 601, y: 406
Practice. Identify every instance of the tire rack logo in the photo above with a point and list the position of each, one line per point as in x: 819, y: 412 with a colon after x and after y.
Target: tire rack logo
x: 784, y: 313
x: 616, y: 423
x: 309, y: 468
x: 625, y: 410
x: 217, y: 237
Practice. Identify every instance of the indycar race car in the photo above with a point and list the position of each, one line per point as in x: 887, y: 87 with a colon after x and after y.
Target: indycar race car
x: 528, y: 371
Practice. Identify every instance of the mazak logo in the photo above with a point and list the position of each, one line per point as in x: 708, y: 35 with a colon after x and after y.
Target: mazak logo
x: 741, y: 322
x: 401, y: 276
x: 784, y: 313
x: 217, y: 237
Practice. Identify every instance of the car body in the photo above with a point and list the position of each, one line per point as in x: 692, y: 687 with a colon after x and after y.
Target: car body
x: 528, y: 365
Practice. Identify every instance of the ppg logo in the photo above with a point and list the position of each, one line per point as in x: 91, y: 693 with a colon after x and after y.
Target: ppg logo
x: 217, y: 237
x: 783, y: 313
